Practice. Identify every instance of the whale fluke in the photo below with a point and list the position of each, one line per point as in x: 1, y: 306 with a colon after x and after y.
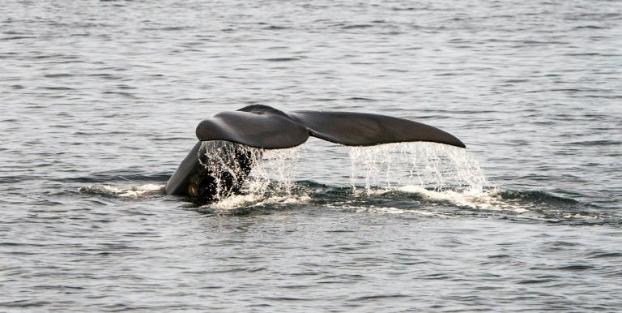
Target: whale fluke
x: 218, y: 164
x: 363, y: 129
x: 265, y: 127
x: 259, y: 129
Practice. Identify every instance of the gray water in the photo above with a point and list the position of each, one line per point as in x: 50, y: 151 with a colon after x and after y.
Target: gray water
x: 100, y: 101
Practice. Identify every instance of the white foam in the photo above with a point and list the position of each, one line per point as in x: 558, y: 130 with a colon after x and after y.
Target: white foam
x: 481, y: 200
x: 255, y: 200
x: 124, y: 191
x: 142, y: 190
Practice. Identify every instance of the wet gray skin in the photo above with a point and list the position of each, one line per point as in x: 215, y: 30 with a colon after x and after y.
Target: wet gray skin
x: 218, y: 164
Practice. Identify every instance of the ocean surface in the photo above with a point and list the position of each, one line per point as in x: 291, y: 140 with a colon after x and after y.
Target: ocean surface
x: 100, y: 100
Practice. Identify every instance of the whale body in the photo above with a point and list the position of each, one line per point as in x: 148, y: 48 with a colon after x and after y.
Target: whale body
x: 218, y: 164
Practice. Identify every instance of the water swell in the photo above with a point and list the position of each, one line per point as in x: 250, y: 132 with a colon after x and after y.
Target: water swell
x: 519, y: 206
x: 424, y: 179
x: 123, y: 191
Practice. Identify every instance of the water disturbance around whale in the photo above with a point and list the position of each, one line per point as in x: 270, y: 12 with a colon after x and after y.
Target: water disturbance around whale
x: 217, y: 166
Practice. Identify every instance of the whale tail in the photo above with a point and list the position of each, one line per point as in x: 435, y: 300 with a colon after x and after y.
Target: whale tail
x: 265, y: 127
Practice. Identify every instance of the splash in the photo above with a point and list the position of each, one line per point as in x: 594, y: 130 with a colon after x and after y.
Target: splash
x: 437, y: 173
x: 227, y: 165
x: 429, y: 166
x: 432, y: 170
x: 274, y: 171
x: 271, y: 183
x: 264, y: 173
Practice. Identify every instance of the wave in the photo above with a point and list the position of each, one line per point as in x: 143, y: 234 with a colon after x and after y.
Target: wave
x: 122, y: 192
x: 517, y: 205
x: 425, y: 179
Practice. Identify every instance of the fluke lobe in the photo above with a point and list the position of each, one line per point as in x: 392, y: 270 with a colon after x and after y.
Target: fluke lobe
x: 219, y: 163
